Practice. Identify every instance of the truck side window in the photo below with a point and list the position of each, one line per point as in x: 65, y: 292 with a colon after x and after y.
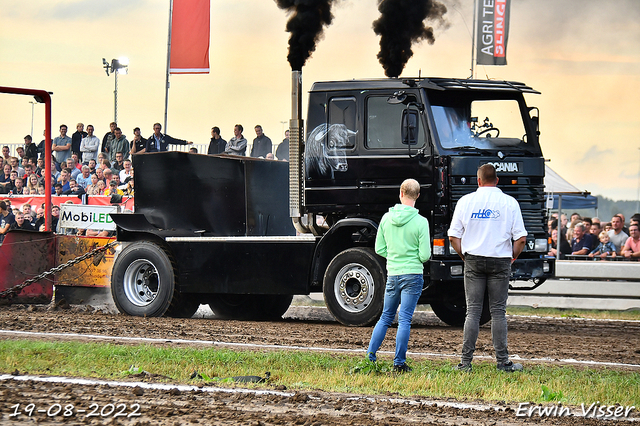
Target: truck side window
x: 342, y: 112
x: 384, y: 125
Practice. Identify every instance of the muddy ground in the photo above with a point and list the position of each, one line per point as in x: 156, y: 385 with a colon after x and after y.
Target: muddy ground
x: 529, y: 338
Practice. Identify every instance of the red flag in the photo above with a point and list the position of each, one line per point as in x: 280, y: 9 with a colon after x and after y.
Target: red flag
x: 190, y: 37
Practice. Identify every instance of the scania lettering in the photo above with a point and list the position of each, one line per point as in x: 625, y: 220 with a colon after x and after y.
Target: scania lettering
x: 247, y: 234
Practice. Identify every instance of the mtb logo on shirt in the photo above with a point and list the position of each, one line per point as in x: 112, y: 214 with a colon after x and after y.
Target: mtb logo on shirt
x: 486, y: 214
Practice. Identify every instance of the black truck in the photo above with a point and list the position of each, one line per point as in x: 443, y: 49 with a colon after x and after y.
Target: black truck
x: 226, y: 231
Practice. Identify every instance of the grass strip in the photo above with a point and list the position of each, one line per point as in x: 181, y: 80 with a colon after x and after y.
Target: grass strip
x: 299, y: 370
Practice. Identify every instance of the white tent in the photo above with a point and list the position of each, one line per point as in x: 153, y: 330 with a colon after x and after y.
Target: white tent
x: 565, y: 194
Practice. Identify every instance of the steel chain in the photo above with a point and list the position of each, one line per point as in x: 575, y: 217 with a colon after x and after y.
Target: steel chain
x: 19, y: 287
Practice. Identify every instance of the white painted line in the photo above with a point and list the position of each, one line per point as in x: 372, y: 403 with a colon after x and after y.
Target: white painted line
x: 303, y: 348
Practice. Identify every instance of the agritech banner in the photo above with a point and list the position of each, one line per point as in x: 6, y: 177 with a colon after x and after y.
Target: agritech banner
x: 493, y: 32
x: 190, y: 37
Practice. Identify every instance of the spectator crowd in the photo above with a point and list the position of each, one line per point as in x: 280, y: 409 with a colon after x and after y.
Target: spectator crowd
x: 84, y: 164
x: 584, y: 237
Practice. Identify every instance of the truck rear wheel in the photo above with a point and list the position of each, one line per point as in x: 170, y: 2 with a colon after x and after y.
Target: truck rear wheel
x: 353, y: 287
x: 250, y: 306
x: 143, y: 280
x: 453, y: 311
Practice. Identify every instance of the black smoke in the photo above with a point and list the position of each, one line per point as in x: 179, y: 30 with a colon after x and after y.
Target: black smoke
x: 401, y: 24
x: 308, y: 18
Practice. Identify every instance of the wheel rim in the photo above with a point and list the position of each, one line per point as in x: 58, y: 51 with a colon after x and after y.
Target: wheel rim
x: 141, y: 282
x: 354, y: 287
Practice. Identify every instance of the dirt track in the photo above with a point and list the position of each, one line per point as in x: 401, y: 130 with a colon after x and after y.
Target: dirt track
x: 603, y: 341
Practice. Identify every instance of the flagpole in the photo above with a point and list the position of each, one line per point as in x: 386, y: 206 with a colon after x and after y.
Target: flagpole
x: 473, y: 39
x: 166, y: 88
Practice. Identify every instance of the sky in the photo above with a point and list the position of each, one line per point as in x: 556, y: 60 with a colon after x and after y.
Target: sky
x: 583, y: 55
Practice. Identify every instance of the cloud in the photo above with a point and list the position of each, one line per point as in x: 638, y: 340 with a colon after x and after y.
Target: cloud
x: 594, y: 154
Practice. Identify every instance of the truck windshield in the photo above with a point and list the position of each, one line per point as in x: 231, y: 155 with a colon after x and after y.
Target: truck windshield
x: 480, y: 124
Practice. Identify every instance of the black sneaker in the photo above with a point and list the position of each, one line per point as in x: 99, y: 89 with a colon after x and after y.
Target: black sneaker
x: 402, y: 368
x: 464, y: 367
x: 509, y: 366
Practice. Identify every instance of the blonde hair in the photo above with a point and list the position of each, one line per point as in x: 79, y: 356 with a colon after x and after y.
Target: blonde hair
x: 410, y: 188
x: 603, y: 234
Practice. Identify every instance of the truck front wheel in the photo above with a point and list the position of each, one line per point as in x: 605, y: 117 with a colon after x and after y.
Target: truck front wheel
x: 143, y: 280
x: 353, y: 287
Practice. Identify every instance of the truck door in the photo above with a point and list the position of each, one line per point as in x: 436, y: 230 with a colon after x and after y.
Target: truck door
x: 387, y: 155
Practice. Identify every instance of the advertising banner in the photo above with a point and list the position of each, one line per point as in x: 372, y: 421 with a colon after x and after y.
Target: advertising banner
x: 79, y: 216
x: 492, y: 32
x: 190, y: 37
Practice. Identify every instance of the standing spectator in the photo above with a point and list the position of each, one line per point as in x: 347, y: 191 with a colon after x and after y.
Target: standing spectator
x: 6, y: 220
x: 126, y: 172
x: 617, y: 236
x: 28, y: 213
x: 5, y: 155
x: 403, y: 239
x: 61, y: 146
x: 21, y: 155
x: 595, y: 228
x: 582, y: 242
x: 38, y: 225
x: 118, y: 163
x: 261, y: 144
x: 108, y: 137
x: 119, y: 144
x: 237, y: 145
x: 21, y: 223
x: 217, y: 145
x: 84, y: 179
x: 76, y: 140
x: 15, y: 165
x: 55, y: 217
x: 5, y: 179
x: 605, y: 248
x: 484, y: 242
x: 138, y: 144
x: 158, y: 142
x: 282, y: 152
x: 631, y: 248
x: 30, y: 149
x: 89, y: 146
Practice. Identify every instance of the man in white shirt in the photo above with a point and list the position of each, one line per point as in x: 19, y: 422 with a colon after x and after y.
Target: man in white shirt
x: 483, y: 226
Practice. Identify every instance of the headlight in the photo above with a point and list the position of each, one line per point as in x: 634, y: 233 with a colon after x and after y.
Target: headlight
x: 456, y: 270
x: 541, y: 245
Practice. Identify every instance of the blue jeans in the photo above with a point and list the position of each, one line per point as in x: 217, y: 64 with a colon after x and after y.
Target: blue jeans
x: 491, y: 274
x: 403, y: 290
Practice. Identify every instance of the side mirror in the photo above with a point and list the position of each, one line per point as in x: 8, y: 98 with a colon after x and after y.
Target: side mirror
x: 410, y: 127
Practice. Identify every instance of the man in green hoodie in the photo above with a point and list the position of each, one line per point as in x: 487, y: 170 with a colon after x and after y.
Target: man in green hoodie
x: 403, y: 239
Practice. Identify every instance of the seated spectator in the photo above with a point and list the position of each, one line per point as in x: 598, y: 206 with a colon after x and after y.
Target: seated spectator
x: 18, y: 187
x: 126, y: 172
x: 605, y: 248
x: 582, y: 241
x: 118, y: 164
x: 32, y: 183
x: 74, y: 188
x: 631, y: 248
x: 41, y: 189
x: 108, y: 175
x: 6, y: 219
x: 40, y: 167
x: 104, y: 164
x: 101, y: 187
x: 92, y: 188
x: 71, y: 165
x: 5, y: 180
x: 617, y: 236
x: 565, y: 248
x: 100, y: 175
x: 21, y: 223
x: 113, y: 189
x: 92, y: 166
x: 129, y: 188
x: 15, y: 165
x: 57, y: 188
x: 84, y: 179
